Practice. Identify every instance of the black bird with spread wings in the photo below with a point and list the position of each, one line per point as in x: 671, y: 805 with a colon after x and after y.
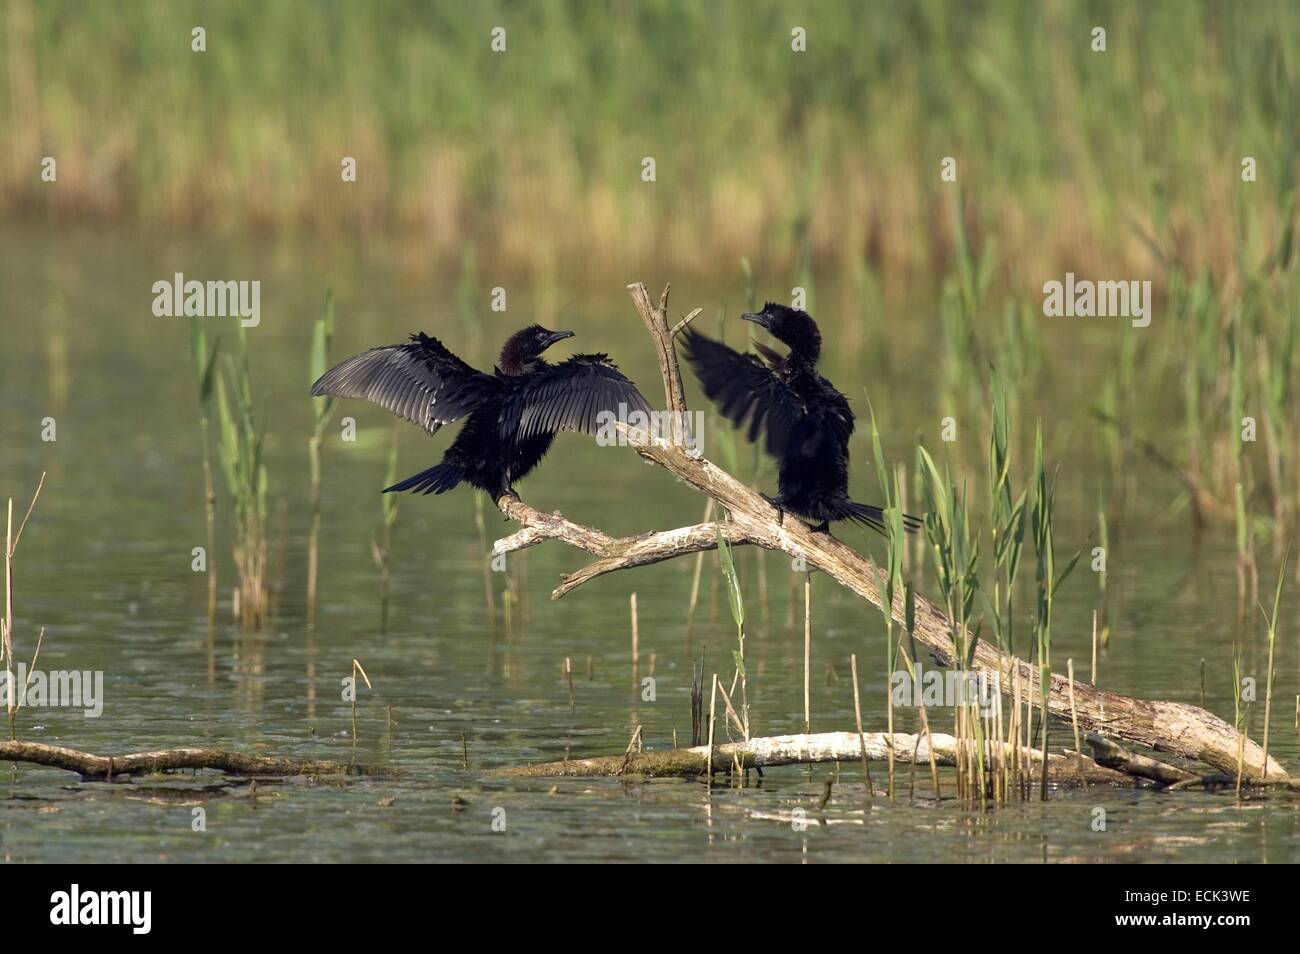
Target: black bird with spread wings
x: 805, y: 420
x: 512, y: 415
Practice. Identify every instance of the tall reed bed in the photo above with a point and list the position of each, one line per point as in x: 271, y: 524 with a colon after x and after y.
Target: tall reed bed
x: 1237, y: 356
x: 980, y: 590
x: 955, y: 551
x: 427, y: 156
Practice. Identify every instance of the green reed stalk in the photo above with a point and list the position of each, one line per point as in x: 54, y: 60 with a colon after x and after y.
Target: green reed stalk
x: 1242, y: 521
x: 246, y: 479
x: 1047, y: 581
x: 381, y: 546
x: 323, y: 407
x: 1271, y: 622
x: 1282, y: 444
x: 204, y: 362
x: 488, y: 596
x: 896, y: 540
x: 1238, y: 713
x: 857, y: 715
x: 1103, y: 540
x: 1006, y: 522
x: 736, y: 603
x: 909, y: 658
x: 1007, y: 527
x: 1042, y: 526
x: 955, y: 552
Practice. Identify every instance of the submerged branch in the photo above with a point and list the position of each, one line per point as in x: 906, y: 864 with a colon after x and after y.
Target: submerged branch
x: 151, y: 763
x: 804, y: 750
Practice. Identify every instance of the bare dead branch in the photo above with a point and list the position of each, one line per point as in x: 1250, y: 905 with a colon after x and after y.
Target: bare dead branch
x: 27, y: 516
x: 656, y: 322
x: 150, y: 763
x: 681, y: 325
x: 616, y: 553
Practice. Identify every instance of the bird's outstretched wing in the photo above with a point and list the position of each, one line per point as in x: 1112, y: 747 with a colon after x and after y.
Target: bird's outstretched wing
x: 570, y: 396
x: 744, y: 390
x: 420, y: 381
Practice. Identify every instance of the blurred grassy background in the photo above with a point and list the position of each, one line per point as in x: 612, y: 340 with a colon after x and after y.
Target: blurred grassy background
x: 531, y: 159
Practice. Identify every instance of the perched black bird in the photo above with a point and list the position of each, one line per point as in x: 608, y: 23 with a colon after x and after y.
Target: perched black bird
x: 807, y: 421
x: 513, y: 413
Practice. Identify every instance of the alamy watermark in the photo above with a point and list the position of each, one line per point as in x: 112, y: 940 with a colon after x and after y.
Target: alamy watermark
x: 59, y: 689
x: 180, y: 298
x: 132, y: 909
x: 940, y: 688
x: 1084, y: 298
x: 680, y: 428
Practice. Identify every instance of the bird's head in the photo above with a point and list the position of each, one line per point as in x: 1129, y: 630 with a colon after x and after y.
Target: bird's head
x: 792, y: 327
x: 523, y: 348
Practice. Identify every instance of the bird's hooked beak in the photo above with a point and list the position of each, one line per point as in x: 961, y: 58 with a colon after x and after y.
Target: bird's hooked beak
x: 760, y: 319
x: 555, y: 336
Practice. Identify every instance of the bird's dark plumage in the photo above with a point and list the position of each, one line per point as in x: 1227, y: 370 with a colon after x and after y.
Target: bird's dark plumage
x: 805, y: 421
x: 512, y: 415
x: 420, y: 381
x: 567, y: 397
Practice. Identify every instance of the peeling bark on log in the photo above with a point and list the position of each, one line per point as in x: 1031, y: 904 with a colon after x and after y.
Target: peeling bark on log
x: 150, y: 763
x: 802, y: 750
x: 1182, y: 729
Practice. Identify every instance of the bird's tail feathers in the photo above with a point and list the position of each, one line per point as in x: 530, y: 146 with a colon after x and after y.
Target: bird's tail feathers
x: 435, y: 480
x: 874, y: 517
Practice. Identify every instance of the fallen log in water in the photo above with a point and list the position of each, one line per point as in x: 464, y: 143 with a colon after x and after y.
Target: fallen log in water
x: 1185, y: 730
x: 149, y: 763
x: 804, y: 750
x: 1107, y: 753
x: 1110, y: 755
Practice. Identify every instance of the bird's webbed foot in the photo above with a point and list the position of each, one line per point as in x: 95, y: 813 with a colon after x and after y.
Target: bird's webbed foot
x: 780, y: 510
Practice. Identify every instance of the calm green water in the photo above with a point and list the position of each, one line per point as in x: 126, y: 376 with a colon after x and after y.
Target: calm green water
x: 105, y: 568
